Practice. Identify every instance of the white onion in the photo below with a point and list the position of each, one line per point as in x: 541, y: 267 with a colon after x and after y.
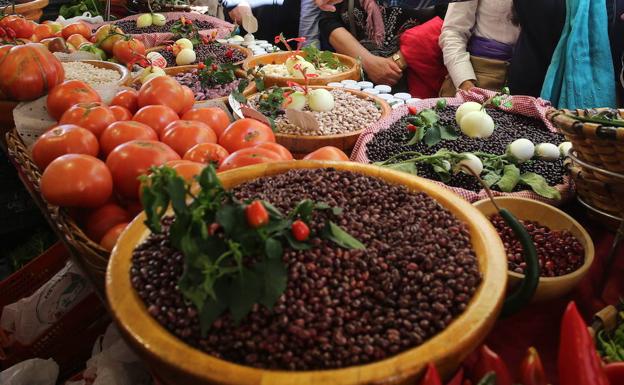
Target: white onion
x: 565, y: 148
x: 159, y: 19
x: 320, y: 100
x: 184, y: 43
x: 147, y: 71
x: 477, y: 124
x: 465, y: 108
x: 185, y: 57
x: 547, y: 151
x: 145, y: 20
x: 295, y: 101
x: 472, y: 162
x: 521, y: 149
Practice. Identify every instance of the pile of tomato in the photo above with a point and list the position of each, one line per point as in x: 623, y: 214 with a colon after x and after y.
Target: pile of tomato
x: 92, y: 160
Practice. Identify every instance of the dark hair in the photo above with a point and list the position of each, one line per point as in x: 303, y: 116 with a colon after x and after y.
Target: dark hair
x: 514, y: 14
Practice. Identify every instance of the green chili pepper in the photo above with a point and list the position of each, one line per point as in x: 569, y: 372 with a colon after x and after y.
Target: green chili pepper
x: 524, y: 292
x: 488, y: 379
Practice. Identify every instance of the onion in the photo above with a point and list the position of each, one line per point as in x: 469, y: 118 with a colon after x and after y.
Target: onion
x: 477, y: 124
x: 158, y: 19
x: 547, y: 151
x: 147, y: 71
x: 185, y: 57
x: 521, y: 150
x: 472, y: 162
x: 295, y: 101
x: 565, y: 148
x: 184, y: 43
x: 145, y: 20
x: 320, y: 100
x: 465, y: 108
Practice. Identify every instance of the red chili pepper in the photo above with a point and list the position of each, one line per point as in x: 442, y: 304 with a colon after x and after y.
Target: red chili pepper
x: 431, y: 376
x: 214, y: 67
x: 578, y: 361
x: 201, y: 65
x: 532, y: 370
x: 300, y: 230
x: 412, y: 128
x: 486, y: 361
x: 615, y: 373
x: 257, y: 215
x: 412, y: 110
x: 229, y: 53
x: 212, y: 229
x: 457, y: 378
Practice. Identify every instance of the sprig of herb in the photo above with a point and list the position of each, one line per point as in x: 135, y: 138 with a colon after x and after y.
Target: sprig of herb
x: 427, y: 127
x: 184, y: 28
x: 211, y: 74
x: 321, y: 58
x: 611, y: 344
x: 229, y: 265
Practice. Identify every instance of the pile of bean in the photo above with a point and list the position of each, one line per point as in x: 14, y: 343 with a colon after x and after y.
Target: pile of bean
x: 509, y: 127
x: 191, y: 80
x: 212, y: 50
x: 341, y: 307
x: 559, y: 252
x: 129, y: 26
x: 90, y: 74
x: 350, y: 113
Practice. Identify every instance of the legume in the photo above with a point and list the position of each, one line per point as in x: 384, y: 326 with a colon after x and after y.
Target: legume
x: 191, y: 80
x: 213, y: 50
x: 129, y: 26
x: 90, y: 74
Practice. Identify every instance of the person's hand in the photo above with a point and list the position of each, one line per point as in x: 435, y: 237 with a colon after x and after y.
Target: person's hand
x: 382, y: 70
x: 467, y: 85
x: 237, y: 14
x: 327, y: 5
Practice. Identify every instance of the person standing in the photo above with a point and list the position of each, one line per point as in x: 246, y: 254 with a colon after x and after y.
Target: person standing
x: 274, y: 16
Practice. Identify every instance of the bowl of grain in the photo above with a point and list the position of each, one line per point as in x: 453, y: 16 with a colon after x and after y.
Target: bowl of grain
x: 96, y: 73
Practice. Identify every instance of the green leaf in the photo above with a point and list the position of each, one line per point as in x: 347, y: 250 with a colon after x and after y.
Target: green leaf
x: 490, y: 178
x: 447, y: 132
x: 508, y: 104
x: 429, y: 116
x: 260, y: 84
x: 273, y: 249
x: 244, y: 292
x: 231, y: 218
x: 176, y: 188
x: 274, y: 279
x: 336, y: 234
x: 295, y: 244
x: 408, y: 167
x: 539, y: 185
x: 510, y: 178
x: 337, y: 211
x: 443, y: 173
x: 496, y: 101
x: 303, y: 209
x: 432, y: 136
x: 209, y: 313
x: 273, y: 211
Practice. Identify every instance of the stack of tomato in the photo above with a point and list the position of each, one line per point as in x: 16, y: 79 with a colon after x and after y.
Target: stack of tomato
x: 93, y: 159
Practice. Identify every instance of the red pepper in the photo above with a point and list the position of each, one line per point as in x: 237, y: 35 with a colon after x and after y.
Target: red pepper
x: 532, y: 370
x: 615, y: 373
x: 300, y: 230
x: 257, y: 215
x: 412, y: 128
x: 201, y: 65
x: 486, y: 361
x: 412, y: 110
x: 431, y: 376
x: 457, y: 378
x: 578, y: 362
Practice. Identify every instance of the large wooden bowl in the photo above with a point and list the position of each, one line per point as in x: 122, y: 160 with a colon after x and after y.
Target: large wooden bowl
x: 175, y: 362
x: 549, y: 288
x: 301, y: 145
x: 32, y: 10
x: 245, y: 51
x: 352, y: 72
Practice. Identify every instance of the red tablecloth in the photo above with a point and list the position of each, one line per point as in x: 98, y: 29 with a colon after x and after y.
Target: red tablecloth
x: 538, y: 325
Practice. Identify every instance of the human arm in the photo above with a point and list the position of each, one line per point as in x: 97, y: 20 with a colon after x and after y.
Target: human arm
x: 456, y: 31
x: 327, y: 5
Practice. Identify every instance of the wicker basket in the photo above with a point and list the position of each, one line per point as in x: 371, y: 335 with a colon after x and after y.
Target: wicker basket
x: 90, y: 256
x: 32, y: 10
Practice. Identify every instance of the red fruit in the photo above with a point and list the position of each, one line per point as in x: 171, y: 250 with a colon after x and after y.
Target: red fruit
x: 412, y: 110
x: 110, y: 238
x: 103, y: 219
x: 300, y: 230
x: 257, y: 215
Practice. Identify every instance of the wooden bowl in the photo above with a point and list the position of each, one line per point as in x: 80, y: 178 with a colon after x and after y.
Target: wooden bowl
x: 301, y: 145
x: 175, y: 362
x: 245, y: 51
x: 173, y: 71
x: 528, y: 209
x: 123, y: 71
x: 353, y: 71
x: 32, y: 10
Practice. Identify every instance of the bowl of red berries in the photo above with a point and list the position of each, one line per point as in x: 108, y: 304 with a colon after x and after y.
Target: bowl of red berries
x: 564, y: 249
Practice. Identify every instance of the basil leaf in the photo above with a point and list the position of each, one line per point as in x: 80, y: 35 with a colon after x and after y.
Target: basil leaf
x: 539, y: 185
x: 303, y: 209
x: 230, y: 217
x: 510, y: 178
x: 443, y: 173
x: 340, y: 237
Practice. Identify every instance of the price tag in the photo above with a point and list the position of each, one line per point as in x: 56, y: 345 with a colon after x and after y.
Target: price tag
x: 306, y: 120
x: 250, y: 23
x: 157, y: 59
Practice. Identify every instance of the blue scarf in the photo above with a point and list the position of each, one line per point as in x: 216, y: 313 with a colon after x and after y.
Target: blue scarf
x: 581, y: 73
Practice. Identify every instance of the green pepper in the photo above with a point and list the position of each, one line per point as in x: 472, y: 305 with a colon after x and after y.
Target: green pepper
x: 488, y: 379
x: 524, y: 292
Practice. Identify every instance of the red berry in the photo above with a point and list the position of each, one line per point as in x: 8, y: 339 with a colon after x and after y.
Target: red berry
x: 300, y: 230
x: 412, y: 128
x: 412, y: 110
x: 257, y: 215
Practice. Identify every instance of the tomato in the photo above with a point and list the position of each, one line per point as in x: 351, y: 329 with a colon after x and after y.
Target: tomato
x: 122, y: 132
x: 181, y: 135
x: 65, y: 95
x: 76, y: 180
x: 121, y: 113
x: 93, y: 116
x: 257, y: 215
x: 163, y: 90
x: 109, y: 240
x: 189, y: 98
x: 62, y: 140
x: 157, y: 117
x: 186, y: 169
x: 28, y: 71
x: 127, y: 99
x: 22, y: 27
x: 207, y: 153
x: 76, y: 28
x: 300, y: 230
x: 215, y: 117
x: 245, y: 133
x: 130, y: 160
x: 43, y: 31
x: 101, y: 220
x: 56, y: 27
x: 277, y: 148
x: 77, y: 40
x: 107, y: 35
x: 327, y: 153
x: 248, y: 156
x: 128, y: 50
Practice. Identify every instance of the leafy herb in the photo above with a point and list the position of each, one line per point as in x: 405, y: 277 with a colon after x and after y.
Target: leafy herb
x: 79, y: 7
x: 184, y: 28
x: 270, y: 102
x: 429, y: 129
x: 211, y: 74
x: 321, y: 58
x: 228, y: 264
x: 611, y: 345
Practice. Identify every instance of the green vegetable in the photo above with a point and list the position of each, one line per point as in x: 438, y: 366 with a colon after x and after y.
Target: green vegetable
x: 539, y: 185
x: 430, y: 130
x: 611, y: 345
x: 79, y: 7
x: 510, y: 178
x: 321, y: 58
x: 210, y: 76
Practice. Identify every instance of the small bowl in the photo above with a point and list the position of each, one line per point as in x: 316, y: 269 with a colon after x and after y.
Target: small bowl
x: 528, y: 209
x: 124, y: 74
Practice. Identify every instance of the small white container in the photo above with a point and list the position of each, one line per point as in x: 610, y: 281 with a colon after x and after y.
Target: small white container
x: 365, y: 85
x: 335, y: 84
x: 383, y: 88
x: 260, y: 42
x: 386, y: 97
x: 403, y: 96
x: 412, y: 101
x: 349, y: 81
x: 352, y: 87
x: 371, y: 91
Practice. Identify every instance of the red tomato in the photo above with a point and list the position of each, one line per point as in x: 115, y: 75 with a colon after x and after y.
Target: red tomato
x: 163, y: 90
x: 248, y: 156
x: 122, y: 132
x: 157, y: 117
x: 127, y: 99
x: 22, y: 27
x: 77, y: 40
x: 189, y: 98
x: 43, y: 31
x: 109, y: 240
x: 79, y: 28
x: 121, y: 113
x: 130, y: 160
x: 181, y: 135
x: 106, y: 36
x: 257, y: 215
x: 65, y: 95
x: 128, y: 50
x: 245, y: 133
x: 76, y: 180
x: 186, y: 169
x: 93, y: 116
x: 62, y: 140
x: 207, y: 153
x: 215, y: 117
x: 103, y: 218
x: 327, y: 153
x: 277, y: 148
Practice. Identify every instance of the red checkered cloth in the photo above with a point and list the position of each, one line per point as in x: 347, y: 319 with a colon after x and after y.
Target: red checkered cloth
x: 523, y: 105
x: 222, y: 28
